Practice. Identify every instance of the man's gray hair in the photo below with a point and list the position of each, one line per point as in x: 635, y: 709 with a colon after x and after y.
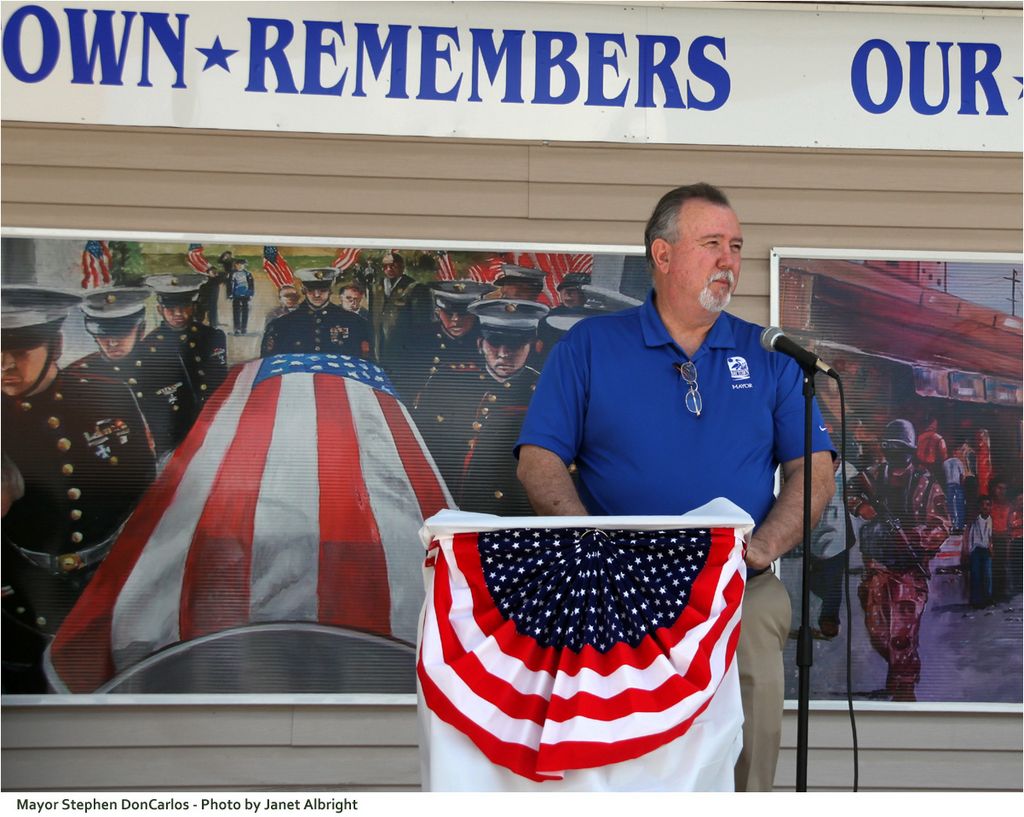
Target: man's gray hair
x: 664, y: 221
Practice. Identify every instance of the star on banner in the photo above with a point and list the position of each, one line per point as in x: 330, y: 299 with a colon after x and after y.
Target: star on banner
x: 217, y: 54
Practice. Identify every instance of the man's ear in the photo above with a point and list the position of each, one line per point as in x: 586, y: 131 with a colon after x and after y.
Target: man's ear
x: 661, y: 254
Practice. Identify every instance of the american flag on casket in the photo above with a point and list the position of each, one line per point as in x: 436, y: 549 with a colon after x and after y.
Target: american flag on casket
x: 287, y: 517
x: 582, y: 653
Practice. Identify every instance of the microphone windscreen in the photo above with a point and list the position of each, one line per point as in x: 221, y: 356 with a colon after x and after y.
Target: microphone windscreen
x: 770, y: 336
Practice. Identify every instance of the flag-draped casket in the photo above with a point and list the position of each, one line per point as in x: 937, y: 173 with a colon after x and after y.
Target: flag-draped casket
x: 278, y: 551
x: 582, y: 653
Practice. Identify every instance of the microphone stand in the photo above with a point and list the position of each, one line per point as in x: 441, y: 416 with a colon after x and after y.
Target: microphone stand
x: 804, y: 649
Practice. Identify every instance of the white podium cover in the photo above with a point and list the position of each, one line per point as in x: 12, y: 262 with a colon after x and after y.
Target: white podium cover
x: 582, y: 653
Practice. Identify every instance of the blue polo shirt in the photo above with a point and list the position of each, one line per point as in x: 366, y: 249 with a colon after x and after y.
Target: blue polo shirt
x: 611, y: 399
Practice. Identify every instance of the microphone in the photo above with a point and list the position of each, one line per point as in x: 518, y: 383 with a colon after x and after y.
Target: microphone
x: 773, y: 340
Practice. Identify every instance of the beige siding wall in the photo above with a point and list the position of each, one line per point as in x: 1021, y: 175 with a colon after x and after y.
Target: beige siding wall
x: 373, y: 747
x: 331, y: 186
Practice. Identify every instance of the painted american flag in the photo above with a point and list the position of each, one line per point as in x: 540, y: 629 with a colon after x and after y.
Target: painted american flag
x: 297, y: 497
x: 445, y: 266
x: 96, y: 263
x: 196, y: 258
x: 345, y: 258
x: 559, y: 649
x: 486, y: 271
x: 275, y: 265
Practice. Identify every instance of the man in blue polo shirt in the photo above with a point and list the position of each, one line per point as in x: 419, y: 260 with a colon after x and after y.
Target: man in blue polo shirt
x: 666, y: 406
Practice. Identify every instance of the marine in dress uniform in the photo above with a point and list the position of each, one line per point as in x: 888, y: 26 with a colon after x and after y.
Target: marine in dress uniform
x: 448, y: 342
x: 519, y: 283
x: 116, y: 318
x: 85, y: 456
x: 470, y: 417
x: 317, y: 325
x: 200, y: 349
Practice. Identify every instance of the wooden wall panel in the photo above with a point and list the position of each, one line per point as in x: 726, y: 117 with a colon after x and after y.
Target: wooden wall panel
x: 374, y: 747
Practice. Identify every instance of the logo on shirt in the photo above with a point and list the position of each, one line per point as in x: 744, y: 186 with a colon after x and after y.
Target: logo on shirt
x: 738, y: 368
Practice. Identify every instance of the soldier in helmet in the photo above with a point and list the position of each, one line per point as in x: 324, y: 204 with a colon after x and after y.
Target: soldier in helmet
x: 470, y: 418
x: 449, y: 343
x: 200, y: 349
x: 116, y: 319
x: 84, y: 455
x: 905, y: 523
x: 317, y: 325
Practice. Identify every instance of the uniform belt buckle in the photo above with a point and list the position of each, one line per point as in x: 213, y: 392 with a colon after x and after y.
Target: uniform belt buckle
x: 70, y: 562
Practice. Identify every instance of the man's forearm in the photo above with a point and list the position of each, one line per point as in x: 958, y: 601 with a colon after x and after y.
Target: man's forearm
x: 547, y: 483
x: 783, y: 528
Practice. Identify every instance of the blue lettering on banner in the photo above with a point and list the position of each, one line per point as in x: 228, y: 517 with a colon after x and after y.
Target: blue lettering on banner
x: 972, y: 77
x: 548, y: 62
x: 261, y: 52
x: 598, y: 61
x: 316, y: 48
x: 50, y: 44
x: 660, y: 70
x: 173, y: 45
x: 510, y: 52
x: 711, y: 72
x: 316, y: 58
x: 430, y: 53
x: 396, y: 45
x: 84, y: 54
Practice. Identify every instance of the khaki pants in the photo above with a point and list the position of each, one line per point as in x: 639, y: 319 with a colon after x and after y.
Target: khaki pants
x: 767, y: 616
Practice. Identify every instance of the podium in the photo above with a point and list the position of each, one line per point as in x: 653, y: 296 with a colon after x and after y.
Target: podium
x: 581, y: 653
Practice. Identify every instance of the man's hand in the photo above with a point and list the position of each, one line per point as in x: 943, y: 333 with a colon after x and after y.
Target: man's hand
x: 547, y: 483
x: 783, y: 528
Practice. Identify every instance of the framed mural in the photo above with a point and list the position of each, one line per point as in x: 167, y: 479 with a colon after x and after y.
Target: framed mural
x: 929, y: 350
x: 219, y: 450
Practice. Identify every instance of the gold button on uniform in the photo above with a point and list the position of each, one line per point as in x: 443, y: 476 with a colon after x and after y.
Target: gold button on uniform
x: 53, y: 422
x: 67, y: 469
x: 498, y: 495
x: 26, y: 406
x: 76, y: 515
x: 63, y: 444
x: 74, y: 493
x: 114, y: 460
x: 492, y: 398
x: 77, y: 537
x: 477, y: 426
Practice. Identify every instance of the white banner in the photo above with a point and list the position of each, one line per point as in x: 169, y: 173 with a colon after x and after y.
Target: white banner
x: 818, y: 76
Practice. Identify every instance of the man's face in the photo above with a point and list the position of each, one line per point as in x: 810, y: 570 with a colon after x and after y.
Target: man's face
x: 456, y: 322
x: 703, y: 266
x: 116, y: 347
x: 572, y: 297
x: 985, y: 508
x: 520, y: 290
x: 177, y: 316
x: 999, y: 491
x: 289, y: 298
x: 351, y: 299
x: 393, y: 267
x: 22, y: 368
x: 504, y: 358
x: 318, y: 296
